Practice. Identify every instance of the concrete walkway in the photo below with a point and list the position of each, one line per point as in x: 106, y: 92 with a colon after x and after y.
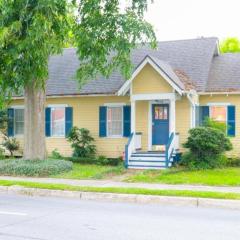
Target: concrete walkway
x: 109, y: 183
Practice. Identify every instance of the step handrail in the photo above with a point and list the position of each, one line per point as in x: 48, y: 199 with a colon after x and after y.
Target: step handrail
x: 128, y: 150
x: 169, y: 147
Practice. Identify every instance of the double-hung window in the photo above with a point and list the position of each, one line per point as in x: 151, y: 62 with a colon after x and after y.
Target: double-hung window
x: 114, y: 121
x: 18, y: 121
x: 58, y: 121
x: 218, y: 113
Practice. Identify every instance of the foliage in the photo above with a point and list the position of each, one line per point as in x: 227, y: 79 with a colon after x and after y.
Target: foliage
x: 191, y: 161
x: 208, y: 122
x: 103, y: 32
x: 102, y: 160
x: 11, y: 144
x: 34, y: 168
x: 82, y: 142
x: 206, y: 147
x: 233, y: 162
x: 55, y: 154
x: 230, y: 45
x: 2, y: 154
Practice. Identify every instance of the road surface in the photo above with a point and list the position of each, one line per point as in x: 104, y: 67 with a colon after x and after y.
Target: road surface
x: 42, y: 218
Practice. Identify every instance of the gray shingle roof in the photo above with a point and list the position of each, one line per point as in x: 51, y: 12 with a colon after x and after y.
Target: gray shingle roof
x: 225, y: 73
x: 192, y: 56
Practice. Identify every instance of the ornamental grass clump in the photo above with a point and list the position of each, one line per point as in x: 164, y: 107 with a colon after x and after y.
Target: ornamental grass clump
x: 206, y: 148
x: 34, y: 168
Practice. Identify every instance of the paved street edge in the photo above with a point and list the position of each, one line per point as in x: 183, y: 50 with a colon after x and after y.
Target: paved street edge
x: 130, y: 198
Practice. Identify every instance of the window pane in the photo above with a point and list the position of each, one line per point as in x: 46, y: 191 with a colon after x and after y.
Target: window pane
x: 219, y: 113
x: 58, y: 121
x: 19, y: 121
x: 160, y: 113
x: 115, y: 116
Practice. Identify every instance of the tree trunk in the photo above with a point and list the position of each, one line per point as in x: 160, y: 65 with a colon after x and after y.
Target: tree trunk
x: 34, y: 123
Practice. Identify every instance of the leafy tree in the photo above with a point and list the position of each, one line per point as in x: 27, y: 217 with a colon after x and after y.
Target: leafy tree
x: 230, y: 45
x: 32, y: 30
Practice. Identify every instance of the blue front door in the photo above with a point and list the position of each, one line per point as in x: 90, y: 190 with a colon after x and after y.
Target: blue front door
x: 160, y: 124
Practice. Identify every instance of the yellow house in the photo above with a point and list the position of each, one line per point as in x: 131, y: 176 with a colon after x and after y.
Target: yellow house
x: 146, y: 119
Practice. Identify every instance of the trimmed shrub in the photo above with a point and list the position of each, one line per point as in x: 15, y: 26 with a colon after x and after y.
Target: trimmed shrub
x: 11, y: 144
x: 206, y: 146
x: 208, y: 122
x: 55, y: 154
x: 233, y: 162
x: 100, y: 160
x: 82, y: 142
x: 34, y: 168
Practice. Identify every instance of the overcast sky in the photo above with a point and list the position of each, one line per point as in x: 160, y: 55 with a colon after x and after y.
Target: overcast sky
x: 184, y: 19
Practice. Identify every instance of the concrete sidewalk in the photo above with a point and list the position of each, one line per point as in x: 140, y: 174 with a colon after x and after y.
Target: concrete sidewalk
x: 109, y: 183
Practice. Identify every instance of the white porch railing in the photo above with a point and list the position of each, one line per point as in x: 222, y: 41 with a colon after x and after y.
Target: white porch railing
x: 134, y: 143
x: 170, y: 147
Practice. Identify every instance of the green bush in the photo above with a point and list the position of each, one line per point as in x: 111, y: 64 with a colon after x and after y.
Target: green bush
x: 100, y: 160
x: 55, y: 154
x: 233, y: 162
x: 206, y: 146
x: 11, y: 144
x: 82, y: 160
x: 34, y: 168
x: 2, y: 154
x: 82, y: 142
x: 208, y: 122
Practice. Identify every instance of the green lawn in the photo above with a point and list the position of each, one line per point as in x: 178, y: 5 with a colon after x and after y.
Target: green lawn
x: 87, y: 171
x: 215, y: 177
x: 177, y: 193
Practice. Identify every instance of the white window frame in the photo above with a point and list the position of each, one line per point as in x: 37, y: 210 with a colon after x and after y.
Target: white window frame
x: 14, y: 122
x: 115, y: 106
x: 53, y: 107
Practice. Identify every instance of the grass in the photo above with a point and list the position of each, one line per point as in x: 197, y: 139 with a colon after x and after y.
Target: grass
x: 91, y: 171
x: 176, y: 193
x: 213, y: 177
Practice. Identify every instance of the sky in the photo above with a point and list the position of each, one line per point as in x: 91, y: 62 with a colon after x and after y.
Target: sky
x: 184, y: 19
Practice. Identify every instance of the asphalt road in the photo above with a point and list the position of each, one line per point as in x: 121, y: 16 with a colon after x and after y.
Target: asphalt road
x: 41, y: 218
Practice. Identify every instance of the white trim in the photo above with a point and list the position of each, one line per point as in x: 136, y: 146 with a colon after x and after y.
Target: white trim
x: 114, y: 104
x: 133, y: 116
x: 17, y: 106
x: 150, y: 126
x: 154, y: 96
x: 64, y: 134
x: 115, y: 136
x: 57, y: 105
x: 219, y: 104
x: 172, y: 117
x: 125, y: 87
x: 72, y: 95
x: 219, y: 93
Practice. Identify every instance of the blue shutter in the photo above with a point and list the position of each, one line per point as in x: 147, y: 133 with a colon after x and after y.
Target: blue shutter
x: 231, y: 121
x: 10, y: 122
x: 126, y: 121
x: 68, y: 120
x: 102, y: 121
x: 48, y: 122
x: 203, y: 114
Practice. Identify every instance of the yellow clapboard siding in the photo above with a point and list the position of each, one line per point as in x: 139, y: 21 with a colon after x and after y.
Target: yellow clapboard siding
x: 149, y: 81
x: 183, y: 109
x: 233, y: 100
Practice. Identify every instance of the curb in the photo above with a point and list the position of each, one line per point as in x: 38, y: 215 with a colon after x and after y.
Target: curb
x: 129, y: 198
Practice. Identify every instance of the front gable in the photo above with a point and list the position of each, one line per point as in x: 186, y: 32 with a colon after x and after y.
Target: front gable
x: 149, y: 80
x: 152, y: 76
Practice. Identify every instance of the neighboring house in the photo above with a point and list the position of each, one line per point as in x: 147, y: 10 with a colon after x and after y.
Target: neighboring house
x: 171, y: 90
